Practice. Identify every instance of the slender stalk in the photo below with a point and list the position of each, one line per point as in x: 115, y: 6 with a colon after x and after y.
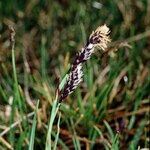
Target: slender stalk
x: 32, y: 136
x: 17, y: 98
x: 16, y: 89
x: 55, y: 107
x: 57, y: 135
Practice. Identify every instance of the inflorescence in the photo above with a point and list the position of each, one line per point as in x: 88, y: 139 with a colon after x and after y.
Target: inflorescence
x: 99, y: 38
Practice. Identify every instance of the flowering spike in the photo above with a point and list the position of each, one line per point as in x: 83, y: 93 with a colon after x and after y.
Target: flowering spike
x: 98, y: 38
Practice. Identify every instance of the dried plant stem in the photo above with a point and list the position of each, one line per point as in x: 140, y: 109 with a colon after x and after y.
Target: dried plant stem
x: 3, y: 141
x: 126, y: 42
x: 26, y: 88
x: 15, y: 124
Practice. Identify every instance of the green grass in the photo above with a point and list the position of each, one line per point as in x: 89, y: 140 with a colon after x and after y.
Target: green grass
x: 48, y: 35
x: 32, y: 136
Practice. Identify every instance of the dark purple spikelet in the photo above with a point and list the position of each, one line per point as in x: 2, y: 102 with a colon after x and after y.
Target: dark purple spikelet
x: 74, y: 78
x: 98, y: 38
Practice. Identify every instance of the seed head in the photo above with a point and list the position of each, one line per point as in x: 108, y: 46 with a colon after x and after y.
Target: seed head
x: 98, y: 38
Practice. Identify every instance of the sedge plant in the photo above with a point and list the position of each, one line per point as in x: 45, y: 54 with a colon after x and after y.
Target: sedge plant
x: 99, y: 38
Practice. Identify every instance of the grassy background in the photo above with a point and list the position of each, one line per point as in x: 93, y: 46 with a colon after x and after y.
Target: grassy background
x: 110, y: 109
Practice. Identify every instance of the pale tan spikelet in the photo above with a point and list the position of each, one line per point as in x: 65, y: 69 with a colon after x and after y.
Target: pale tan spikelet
x: 100, y: 37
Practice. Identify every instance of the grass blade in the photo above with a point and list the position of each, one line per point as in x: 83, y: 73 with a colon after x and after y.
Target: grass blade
x: 58, y: 130
x: 55, y: 107
x: 31, y: 144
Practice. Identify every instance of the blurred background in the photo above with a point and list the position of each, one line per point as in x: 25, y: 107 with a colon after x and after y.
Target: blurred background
x: 110, y: 109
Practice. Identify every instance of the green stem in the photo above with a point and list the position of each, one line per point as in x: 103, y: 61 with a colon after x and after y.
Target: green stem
x: 55, y: 107
x: 16, y: 89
